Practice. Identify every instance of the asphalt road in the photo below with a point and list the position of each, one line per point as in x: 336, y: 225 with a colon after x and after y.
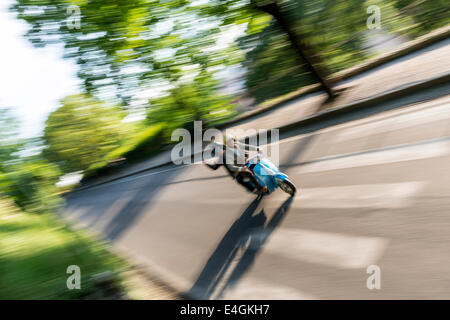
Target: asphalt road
x: 374, y: 190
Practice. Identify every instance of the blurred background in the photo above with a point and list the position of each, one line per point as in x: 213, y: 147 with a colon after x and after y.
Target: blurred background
x: 88, y: 85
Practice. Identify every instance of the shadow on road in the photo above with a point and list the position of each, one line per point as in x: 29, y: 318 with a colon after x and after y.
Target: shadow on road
x: 115, y: 207
x: 241, y: 244
x: 138, y: 203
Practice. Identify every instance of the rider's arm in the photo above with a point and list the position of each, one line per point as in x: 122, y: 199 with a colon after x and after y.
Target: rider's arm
x: 247, y: 147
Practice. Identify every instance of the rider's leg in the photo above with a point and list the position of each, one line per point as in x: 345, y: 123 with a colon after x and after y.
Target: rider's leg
x: 253, y: 179
x: 213, y: 166
x: 243, y: 178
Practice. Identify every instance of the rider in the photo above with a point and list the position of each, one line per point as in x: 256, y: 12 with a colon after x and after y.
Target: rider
x: 233, y: 152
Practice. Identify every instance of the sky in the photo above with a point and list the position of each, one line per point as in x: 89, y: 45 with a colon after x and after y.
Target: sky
x: 32, y: 80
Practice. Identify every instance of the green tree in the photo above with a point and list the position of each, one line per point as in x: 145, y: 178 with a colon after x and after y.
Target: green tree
x: 31, y: 183
x: 271, y: 64
x: 198, y: 99
x: 9, y: 143
x: 427, y: 15
x: 274, y: 67
x: 29, y: 180
x: 127, y: 47
x: 108, y: 38
x: 81, y: 132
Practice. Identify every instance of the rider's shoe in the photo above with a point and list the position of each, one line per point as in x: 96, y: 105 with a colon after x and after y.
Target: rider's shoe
x: 264, y: 190
x: 260, y: 195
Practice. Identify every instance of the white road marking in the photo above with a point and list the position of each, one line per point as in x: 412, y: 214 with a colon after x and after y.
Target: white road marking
x: 148, y: 174
x: 385, y: 195
x: 380, y: 117
x: 131, y: 178
x: 389, y: 195
x: 397, y: 122
x: 259, y: 290
x: 331, y: 249
x: 377, y: 157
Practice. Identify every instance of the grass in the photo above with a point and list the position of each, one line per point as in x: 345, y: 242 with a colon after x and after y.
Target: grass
x: 35, y: 251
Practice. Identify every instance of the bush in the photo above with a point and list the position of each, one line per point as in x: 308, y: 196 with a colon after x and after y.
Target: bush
x: 146, y: 144
x: 32, y: 185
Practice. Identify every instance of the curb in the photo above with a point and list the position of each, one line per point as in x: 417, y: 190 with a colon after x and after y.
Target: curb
x: 318, y: 117
x: 390, y: 95
x: 271, y: 106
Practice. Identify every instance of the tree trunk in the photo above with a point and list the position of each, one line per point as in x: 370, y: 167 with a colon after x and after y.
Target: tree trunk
x: 312, y: 62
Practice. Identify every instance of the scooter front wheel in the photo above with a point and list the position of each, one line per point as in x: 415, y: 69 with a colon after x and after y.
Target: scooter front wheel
x: 288, y: 187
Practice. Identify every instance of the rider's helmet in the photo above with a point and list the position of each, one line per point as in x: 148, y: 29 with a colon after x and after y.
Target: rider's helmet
x: 229, y: 141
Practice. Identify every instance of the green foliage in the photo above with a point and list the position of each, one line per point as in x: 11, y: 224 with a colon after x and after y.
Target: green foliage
x: 145, y: 144
x: 29, y: 180
x: 273, y: 67
x: 108, y: 37
x: 189, y: 102
x: 334, y: 29
x: 129, y: 46
x: 31, y: 183
x: 81, y: 132
x: 426, y: 15
x: 124, y: 45
x: 9, y: 143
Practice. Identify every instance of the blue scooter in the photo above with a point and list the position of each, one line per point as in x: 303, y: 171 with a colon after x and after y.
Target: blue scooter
x: 269, y: 175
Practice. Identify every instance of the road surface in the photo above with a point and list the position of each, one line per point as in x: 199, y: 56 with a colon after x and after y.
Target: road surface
x: 374, y: 190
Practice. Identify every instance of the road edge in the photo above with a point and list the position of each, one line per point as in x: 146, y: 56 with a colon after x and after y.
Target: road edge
x: 364, y: 103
